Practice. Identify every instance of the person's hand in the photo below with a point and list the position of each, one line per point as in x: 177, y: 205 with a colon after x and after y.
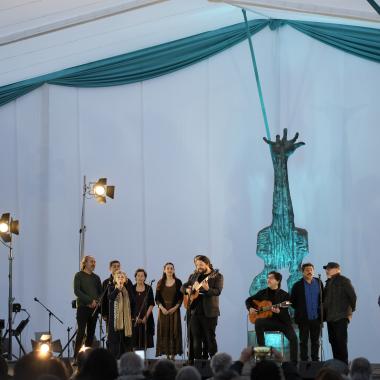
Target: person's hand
x: 189, y: 290
x: 275, y: 310
x: 143, y: 321
x: 205, y: 286
x: 276, y: 355
x: 172, y: 310
x: 93, y: 304
x: 163, y: 310
x: 246, y: 354
x: 252, y: 311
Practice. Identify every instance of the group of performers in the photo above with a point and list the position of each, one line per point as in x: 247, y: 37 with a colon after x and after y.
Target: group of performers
x: 127, y: 309
x: 313, y: 304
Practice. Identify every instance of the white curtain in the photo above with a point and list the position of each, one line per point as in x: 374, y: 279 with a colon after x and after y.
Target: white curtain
x: 193, y: 175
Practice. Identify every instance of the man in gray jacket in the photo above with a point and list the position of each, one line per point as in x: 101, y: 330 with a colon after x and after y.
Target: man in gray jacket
x: 339, y: 302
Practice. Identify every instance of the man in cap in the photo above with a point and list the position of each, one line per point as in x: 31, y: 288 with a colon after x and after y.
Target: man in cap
x: 339, y: 303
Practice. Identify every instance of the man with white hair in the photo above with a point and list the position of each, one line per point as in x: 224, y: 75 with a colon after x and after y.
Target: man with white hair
x: 131, y: 367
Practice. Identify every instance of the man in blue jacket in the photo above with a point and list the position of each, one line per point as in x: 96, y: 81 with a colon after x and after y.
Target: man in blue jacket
x: 306, y: 300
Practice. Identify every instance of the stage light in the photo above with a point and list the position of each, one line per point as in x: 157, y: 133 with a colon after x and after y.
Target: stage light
x: 101, y: 191
x: 8, y: 226
x: 98, y: 190
x: 43, y: 346
x: 84, y: 348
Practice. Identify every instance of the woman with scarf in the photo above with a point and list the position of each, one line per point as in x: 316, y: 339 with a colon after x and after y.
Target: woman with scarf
x: 121, y: 310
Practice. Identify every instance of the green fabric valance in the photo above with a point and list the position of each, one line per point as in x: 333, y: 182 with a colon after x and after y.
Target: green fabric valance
x: 163, y: 59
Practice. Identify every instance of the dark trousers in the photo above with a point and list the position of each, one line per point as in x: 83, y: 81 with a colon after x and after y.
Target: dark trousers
x: 271, y: 324
x: 86, y: 326
x: 338, y: 339
x: 203, y: 328
x: 120, y: 344
x: 309, y: 329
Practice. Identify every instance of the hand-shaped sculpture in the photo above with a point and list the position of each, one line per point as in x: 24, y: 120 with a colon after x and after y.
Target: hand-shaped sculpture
x: 281, y: 245
x: 283, y: 146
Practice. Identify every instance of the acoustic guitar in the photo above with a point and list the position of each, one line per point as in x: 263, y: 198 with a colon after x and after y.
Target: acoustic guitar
x: 264, y: 309
x: 188, y: 299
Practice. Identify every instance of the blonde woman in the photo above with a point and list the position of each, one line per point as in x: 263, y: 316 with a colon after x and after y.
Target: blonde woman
x: 121, y: 311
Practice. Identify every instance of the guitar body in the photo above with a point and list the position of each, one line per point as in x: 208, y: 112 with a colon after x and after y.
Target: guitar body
x: 264, y: 309
x: 188, y: 299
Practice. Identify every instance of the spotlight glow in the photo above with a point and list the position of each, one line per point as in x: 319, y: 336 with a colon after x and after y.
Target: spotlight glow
x: 4, y: 227
x: 99, y: 190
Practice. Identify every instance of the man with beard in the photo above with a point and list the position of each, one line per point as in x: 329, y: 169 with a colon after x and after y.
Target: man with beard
x: 306, y: 301
x: 204, y: 309
x: 87, y: 288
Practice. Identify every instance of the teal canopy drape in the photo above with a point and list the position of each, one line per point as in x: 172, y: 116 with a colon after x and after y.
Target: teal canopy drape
x: 163, y: 59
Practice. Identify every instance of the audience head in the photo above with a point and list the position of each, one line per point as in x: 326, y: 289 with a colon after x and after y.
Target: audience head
x: 220, y: 362
x: 99, y: 364
x: 227, y: 374
x: 336, y: 365
x: 266, y: 369
x: 360, y: 369
x: 164, y: 370
x: 3, y: 368
x: 31, y: 367
x: 326, y: 373
x: 131, y: 364
x: 188, y: 373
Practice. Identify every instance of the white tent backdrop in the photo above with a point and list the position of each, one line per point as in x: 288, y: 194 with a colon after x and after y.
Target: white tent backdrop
x: 192, y: 175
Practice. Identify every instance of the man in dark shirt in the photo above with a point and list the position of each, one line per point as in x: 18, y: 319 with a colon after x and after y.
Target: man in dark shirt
x: 280, y: 319
x: 339, y: 302
x: 87, y: 288
x: 113, y: 267
x: 204, y: 310
x: 306, y: 300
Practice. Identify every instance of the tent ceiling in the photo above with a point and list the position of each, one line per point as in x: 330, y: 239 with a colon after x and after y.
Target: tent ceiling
x: 42, y: 36
x: 348, y: 9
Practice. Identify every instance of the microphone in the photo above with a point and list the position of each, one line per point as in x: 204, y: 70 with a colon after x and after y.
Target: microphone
x: 36, y: 299
x: 152, y: 281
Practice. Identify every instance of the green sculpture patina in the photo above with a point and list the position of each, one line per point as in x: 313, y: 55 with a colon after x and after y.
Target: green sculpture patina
x: 281, y: 245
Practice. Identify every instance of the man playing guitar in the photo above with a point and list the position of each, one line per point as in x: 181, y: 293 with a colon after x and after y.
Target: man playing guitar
x: 202, y: 290
x: 279, y: 320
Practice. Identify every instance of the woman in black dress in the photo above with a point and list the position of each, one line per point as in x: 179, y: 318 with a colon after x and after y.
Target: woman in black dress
x: 143, y: 330
x: 169, y: 299
x: 121, y: 311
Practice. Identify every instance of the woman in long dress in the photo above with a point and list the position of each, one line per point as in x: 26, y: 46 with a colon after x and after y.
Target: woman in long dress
x: 143, y: 330
x: 169, y: 299
x: 121, y: 310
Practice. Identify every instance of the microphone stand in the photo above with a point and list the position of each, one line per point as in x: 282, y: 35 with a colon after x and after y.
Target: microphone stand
x: 144, y: 305
x: 99, y: 305
x: 193, y: 278
x: 50, y: 314
x: 321, y: 318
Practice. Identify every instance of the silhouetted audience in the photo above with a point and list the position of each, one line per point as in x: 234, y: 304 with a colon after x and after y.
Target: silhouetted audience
x: 188, y: 373
x: 267, y: 369
x: 32, y: 366
x: 131, y: 367
x: 360, y: 369
x: 164, y: 370
x: 326, y: 373
x: 99, y: 364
